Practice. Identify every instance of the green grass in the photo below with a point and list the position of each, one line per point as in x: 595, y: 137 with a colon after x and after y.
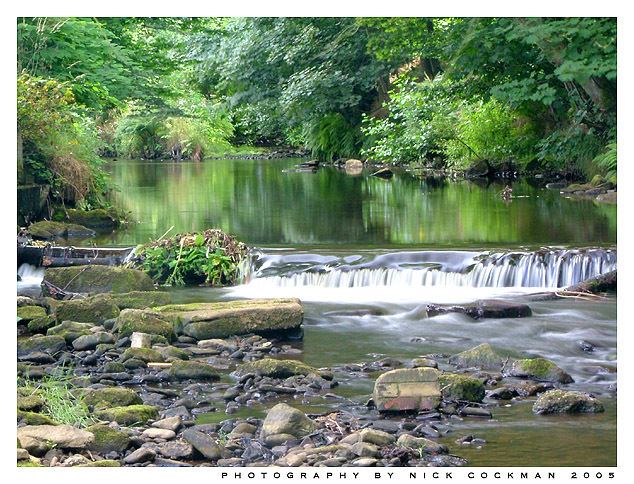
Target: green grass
x: 62, y: 400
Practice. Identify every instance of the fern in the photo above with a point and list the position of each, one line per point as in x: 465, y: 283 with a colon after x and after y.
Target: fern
x: 607, y: 160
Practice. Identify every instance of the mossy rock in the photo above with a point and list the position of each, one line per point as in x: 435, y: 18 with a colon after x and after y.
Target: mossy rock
x: 98, y: 218
x: 94, y: 309
x: 30, y: 403
x: 143, y: 321
x: 34, y: 418
x: 561, y: 401
x: 102, y: 463
x: 28, y: 463
x: 49, y: 230
x: 276, y: 368
x: 142, y: 299
x: 482, y: 356
x: 128, y: 416
x: 193, y: 370
x: 597, y: 180
x: 70, y: 330
x: 539, y: 369
x: 111, y: 397
x: 147, y: 355
x: 40, y: 325
x: 461, y: 387
x: 44, y: 344
x: 171, y: 353
x: 223, y: 319
x: 29, y: 313
x: 113, y: 367
x: 98, y: 279
x: 108, y: 439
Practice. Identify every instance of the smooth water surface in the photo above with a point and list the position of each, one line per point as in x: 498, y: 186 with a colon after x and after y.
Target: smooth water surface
x: 270, y: 203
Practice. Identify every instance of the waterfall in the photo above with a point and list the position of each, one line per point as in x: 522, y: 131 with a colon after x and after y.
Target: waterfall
x: 543, y: 268
x: 30, y: 278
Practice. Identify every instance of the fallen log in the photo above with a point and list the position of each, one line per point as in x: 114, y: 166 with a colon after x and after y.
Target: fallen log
x: 588, y: 289
x: 49, y: 256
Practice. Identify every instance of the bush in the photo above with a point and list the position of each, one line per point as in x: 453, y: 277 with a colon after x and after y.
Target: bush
x: 332, y: 136
x: 210, y: 257
x: 490, y: 131
x: 60, y: 142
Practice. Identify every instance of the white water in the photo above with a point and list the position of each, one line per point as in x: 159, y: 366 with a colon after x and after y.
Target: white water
x: 420, y: 275
x: 30, y: 279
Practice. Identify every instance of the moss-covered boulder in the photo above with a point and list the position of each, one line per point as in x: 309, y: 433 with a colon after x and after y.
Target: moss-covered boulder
x: 560, y: 401
x: 28, y: 313
x: 148, y: 355
x: 193, y: 370
x: 482, y: 356
x: 98, y: 279
x: 48, y: 230
x: 144, y: 321
x: 224, y: 319
x: 111, y: 397
x: 142, y: 299
x: 539, y: 369
x: 108, y: 439
x: 70, y: 330
x: 35, y: 418
x: 283, y: 419
x: 129, y: 415
x: 91, y: 341
x: 31, y: 403
x: 94, y: 309
x: 461, y: 387
x: 102, y: 463
x: 98, y: 218
x: 40, y: 325
x: 171, y: 353
x: 276, y: 368
x: 44, y: 344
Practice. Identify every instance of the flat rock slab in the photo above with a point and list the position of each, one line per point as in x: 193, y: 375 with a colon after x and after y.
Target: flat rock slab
x: 407, y: 389
x: 484, y: 308
x: 223, y: 319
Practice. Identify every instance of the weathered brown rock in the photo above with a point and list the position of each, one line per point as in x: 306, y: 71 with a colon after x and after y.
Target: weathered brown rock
x: 408, y: 389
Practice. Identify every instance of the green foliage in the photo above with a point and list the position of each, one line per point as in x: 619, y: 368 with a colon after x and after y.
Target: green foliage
x: 492, y: 132
x: 211, y: 257
x: 606, y: 160
x: 63, y: 401
x: 331, y: 136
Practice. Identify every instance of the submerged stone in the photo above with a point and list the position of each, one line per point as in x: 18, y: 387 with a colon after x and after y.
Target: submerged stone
x: 220, y: 320
x: 485, y: 308
x: 98, y: 279
x: 409, y: 389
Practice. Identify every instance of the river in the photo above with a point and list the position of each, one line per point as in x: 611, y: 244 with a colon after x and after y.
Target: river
x: 366, y: 255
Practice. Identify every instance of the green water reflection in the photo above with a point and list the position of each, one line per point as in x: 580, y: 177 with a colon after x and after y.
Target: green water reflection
x: 265, y: 204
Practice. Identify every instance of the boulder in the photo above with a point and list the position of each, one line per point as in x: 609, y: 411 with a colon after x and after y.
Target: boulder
x: 111, y: 397
x: 108, y: 439
x: 407, y: 389
x: 276, y: 368
x: 98, y: 218
x: 484, y: 308
x: 142, y: 299
x: 223, y: 319
x: 70, y: 330
x: 41, y: 344
x: 28, y: 313
x: 144, y: 321
x: 560, y: 401
x: 90, y: 341
x: 48, y: 230
x: 421, y: 444
x: 286, y: 420
x: 97, y: 279
x: 203, y: 443
x: 140, y: 340
x: 95, y: 309
x: 147, y: 355
x: 129, y: 415
x: 482, y: 356
x: 38, y: 439
x: 461, y: 387
x: 193, y: 370
x: 539, y: 369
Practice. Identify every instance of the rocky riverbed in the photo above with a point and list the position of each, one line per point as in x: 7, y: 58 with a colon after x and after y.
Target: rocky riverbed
x: 223, y: 384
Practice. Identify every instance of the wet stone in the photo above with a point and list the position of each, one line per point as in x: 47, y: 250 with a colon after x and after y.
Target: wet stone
x: 411, y: 389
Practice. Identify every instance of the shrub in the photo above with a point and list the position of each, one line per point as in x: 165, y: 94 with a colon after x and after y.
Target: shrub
x: 211, y: 257
x: 331, y: 136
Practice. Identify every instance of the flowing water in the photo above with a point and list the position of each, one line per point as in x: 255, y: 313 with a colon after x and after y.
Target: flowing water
x: 366, y: 255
